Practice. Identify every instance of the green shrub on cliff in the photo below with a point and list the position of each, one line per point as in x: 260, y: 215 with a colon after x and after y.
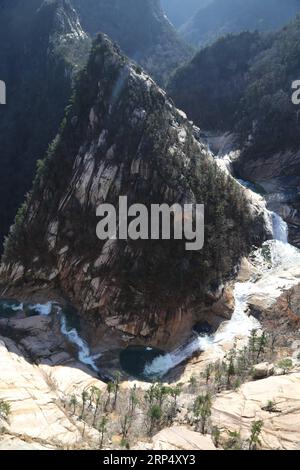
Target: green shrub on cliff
x: 202, y: 410
x: 5, y: 410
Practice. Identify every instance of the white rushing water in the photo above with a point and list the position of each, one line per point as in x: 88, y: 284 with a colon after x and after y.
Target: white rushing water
x: 239, y: 325
x: 16, y: 308
x: 84, y: 354
x: 283, y: 255
x: 280, y: 228
x: 42, y: 309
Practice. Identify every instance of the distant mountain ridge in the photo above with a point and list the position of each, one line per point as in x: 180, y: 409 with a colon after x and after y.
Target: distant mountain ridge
x: 179, y: 11
x: 233, y: 16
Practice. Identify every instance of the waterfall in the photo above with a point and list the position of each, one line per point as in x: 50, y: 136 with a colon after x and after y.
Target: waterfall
x: 71, y: 334
x: 240, y: 325
x: 84, y: 354
x: 280, y: 228
x: 164, y: 363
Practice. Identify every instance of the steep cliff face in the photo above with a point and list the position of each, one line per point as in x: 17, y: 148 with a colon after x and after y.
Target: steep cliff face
x: 122, y: 136
x: 243, y: 85
x: 141, y: 29
x: 222, y: 17
x: 41, y: 45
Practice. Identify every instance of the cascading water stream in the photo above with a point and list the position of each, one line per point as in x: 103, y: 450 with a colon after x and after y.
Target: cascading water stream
x: 71, y: 334
x: 13, y: 307
x: 84, y: 354
x: 240, y: 325
x: 280, y: 228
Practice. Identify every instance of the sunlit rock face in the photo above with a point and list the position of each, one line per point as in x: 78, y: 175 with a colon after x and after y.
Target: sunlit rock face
x: 39, y: 373
x: 236, y: 410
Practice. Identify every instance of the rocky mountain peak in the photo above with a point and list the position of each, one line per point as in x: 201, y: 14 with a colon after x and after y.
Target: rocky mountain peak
x: 123, y: 136
x: 141, y: 29
x: 57, y: 26
x: 65, y: 20
x: 43, y: 44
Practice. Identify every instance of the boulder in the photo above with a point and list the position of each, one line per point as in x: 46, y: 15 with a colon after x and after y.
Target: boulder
x: 263, y: 370
x: 181, y: 438
x: 275, y: 302
x: 247, y: 270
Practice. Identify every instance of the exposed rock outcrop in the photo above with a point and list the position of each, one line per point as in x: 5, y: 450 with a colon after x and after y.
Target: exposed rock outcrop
x: 36, y: 393
x: 236, y: 411
x: 43, y: 43
x: 178, y: 438
x: 281, y: 314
